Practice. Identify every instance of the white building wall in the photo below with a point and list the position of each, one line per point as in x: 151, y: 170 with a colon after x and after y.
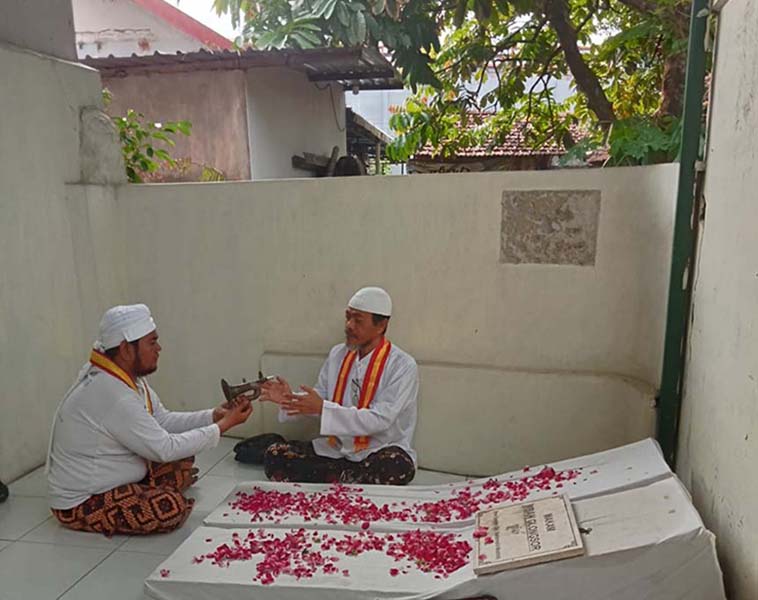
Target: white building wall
x: 289, y: 115
x: 121, y: 28
x: 718, y: 445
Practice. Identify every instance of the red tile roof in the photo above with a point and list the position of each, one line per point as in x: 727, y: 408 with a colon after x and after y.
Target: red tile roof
x: 515, y: 143
x: 183, y: 22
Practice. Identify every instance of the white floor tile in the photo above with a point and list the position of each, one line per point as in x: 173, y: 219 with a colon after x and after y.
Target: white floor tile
x: 42, y: 571
x: 207, y: 460
x: 33, y: 484
x: 120, y: 577
x: 165, y: 543
x: 210, y: 491
x: 20, y: 514
x: 237, y: 470
x: 52, y: 532
x: 434, y: 477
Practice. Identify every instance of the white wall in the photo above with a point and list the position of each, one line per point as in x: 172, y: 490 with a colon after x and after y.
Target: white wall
x: 288, y: 115
x: 46, y: 26
x: 48, y: 283
x: 122, y: 28
x: 564, y: 358
x: 718, y: 446
x: 235, y: 270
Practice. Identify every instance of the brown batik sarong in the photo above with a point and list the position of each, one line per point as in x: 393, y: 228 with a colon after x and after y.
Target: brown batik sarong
x: 154, y: 505
x: 298, y: 462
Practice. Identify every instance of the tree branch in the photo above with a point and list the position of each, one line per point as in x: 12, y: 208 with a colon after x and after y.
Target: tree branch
x: 558, y: 15
x: 641, y: 5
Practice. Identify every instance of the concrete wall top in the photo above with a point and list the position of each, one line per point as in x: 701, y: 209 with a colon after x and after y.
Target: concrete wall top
x: 45, y: 26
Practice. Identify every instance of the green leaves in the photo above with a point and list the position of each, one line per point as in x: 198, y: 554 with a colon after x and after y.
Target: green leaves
x: 643, y: 141
x: 501, y: 58
x: 140, y: 143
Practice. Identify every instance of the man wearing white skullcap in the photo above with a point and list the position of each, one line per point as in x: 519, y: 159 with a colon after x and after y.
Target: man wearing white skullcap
x: 118, y: 460
x: 365, y: 401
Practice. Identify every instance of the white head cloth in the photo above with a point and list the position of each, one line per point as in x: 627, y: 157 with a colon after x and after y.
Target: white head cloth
x: 373, y: 300
x: 128, y: 322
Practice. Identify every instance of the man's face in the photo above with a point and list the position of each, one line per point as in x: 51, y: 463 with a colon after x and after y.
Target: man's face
x: 360, y: 329
x: 148, y: 351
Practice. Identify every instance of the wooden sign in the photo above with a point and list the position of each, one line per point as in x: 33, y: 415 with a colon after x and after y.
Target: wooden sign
x: 519, y: 535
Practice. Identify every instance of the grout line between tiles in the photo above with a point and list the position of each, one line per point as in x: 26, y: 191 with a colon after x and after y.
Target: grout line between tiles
x: 151, y: 553
x: 214, y: 465
x: 87, y: 573
x: 28, y: 531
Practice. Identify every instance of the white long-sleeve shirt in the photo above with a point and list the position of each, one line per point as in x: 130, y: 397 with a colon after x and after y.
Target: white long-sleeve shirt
x: 102, y: 436
x: 390, y: 420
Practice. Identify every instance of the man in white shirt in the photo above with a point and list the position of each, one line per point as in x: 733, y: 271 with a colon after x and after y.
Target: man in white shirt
x: 365, y: 400
x: 118, y: 460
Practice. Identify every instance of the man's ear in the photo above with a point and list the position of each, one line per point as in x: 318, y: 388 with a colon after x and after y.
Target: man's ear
x: 126, y: 350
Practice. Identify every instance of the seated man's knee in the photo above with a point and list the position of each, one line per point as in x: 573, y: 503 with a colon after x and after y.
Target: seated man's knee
x: 389, y: 466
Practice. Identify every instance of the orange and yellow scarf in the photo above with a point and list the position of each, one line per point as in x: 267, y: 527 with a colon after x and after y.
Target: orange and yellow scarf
x: 101, y: 361
x: 368, y: 390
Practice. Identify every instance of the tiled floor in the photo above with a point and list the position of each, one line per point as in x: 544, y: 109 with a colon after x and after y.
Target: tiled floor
x: 39, y: 560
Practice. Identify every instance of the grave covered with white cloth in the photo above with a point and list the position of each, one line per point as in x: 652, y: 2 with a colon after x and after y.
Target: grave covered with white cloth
x: 641, y: 534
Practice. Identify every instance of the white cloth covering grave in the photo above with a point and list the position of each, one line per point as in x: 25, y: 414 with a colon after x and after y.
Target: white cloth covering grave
x: 642, y: 542
x: 613, y: 470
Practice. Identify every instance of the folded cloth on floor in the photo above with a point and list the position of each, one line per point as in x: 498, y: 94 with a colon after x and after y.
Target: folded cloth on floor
x: 252, y: 449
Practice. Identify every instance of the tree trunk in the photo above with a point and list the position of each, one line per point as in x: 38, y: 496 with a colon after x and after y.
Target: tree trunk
x: 674, y: 65
x: 675, y: 68
x: 587, y: 82
x: 672, y: 86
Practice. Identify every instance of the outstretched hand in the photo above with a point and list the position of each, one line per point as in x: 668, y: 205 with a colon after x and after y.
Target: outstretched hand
x: 307, y: 402
x: 277, y: 391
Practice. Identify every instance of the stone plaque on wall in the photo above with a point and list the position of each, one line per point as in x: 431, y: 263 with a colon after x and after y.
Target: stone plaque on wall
x: 553, y: 227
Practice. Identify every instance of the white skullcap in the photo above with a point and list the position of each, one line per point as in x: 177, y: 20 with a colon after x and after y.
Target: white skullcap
x: 373, y: 300
x: 129, y: 322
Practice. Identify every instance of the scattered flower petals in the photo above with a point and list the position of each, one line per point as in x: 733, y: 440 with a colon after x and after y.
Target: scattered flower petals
x: 292, y: 553
x: 343, y: 505
x: 303, y: 554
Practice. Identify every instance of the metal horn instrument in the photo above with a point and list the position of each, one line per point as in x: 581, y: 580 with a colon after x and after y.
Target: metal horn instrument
x: 252, y: 389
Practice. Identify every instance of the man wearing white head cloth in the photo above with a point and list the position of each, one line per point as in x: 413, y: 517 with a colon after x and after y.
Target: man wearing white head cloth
x: 118, y: 460
x: 365, y: 401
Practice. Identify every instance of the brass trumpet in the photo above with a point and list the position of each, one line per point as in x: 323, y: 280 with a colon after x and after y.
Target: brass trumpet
x: 250, y: 388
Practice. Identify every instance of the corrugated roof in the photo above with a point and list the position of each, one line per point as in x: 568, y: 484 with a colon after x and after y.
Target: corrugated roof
x: 364, y: 67
x: 362, y: 131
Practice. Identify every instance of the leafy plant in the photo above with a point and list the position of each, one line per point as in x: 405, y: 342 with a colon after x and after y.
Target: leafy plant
x: 145, y: 144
